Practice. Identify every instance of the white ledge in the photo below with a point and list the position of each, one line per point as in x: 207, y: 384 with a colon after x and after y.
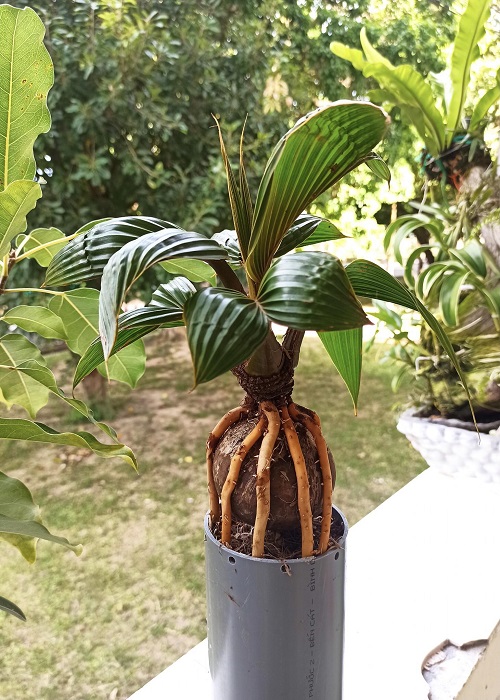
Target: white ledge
x: 422, y: 568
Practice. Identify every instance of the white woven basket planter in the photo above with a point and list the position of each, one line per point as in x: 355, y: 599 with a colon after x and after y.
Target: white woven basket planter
x: 453, y: 451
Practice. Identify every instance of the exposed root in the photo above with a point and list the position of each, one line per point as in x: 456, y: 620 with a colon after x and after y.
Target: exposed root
x: 263, y: 487
x: 232, y: 477
x: 304, y: 502
x: 225, y: 422
x: 311, y: 421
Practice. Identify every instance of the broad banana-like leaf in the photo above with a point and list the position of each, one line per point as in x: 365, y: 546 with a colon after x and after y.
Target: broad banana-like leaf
x: 43, y: 244
x: 223, y: 329
x: 489, y: 98
x: 370, y: 280
x: 308, y: 230
x: 310, y: 291
x: 465, y: 51
x: 315, y: 154
x: 165, y: 310
x: 16, y: 202
x: 449, y: 296
x: 26, y: 76
x: 371, y: 53
x: 36, y: 319
x: 354, y: 56
x: 410, y: 89
x: 131, y: 261
x: 346, y: 352
x: 86, y: 256
x: 9, y: 607
x: 20, y: 521
x: 18, y: 389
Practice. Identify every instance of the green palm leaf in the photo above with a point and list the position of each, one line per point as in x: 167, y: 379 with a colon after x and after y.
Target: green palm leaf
x: 346, y: 352
x: 86, y: 256
x: 131, y: 261
x: 308, y: 230
x: 223, y: 329
x: 310, y: 291
x: 315, y: 154
x: 165, y: 310
x: 489, y: 98
x: 11, y: 608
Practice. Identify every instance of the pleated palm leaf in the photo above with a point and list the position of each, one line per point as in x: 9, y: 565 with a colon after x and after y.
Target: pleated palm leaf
x: 229, y: 325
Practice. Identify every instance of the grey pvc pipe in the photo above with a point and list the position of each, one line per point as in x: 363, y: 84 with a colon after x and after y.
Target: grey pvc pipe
x: 275, y: 628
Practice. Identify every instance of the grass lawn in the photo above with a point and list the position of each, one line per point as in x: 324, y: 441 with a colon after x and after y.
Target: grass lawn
x: 100, y: 626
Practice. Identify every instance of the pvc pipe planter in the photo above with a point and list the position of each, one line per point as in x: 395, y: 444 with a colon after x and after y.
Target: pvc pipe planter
x: 275, y: 628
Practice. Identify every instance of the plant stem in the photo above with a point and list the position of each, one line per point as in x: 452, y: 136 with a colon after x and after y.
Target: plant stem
x: 18, y: 290
x: 227, y: 275
x: 291, y: 345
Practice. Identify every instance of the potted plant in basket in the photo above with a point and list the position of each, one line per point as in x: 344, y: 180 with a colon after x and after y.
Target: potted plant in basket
x: 457, y: 278
x: 275, y: 546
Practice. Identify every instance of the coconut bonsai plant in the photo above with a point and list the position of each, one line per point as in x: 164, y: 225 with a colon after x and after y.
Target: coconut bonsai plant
x: 269, y: 472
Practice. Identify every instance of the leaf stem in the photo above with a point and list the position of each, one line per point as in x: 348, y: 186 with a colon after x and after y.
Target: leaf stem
x: 18, y: 290
x: 44, y: 246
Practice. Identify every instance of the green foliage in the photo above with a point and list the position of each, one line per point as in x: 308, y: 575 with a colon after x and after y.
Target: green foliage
x: 437, y: 117
x: 453, y: 276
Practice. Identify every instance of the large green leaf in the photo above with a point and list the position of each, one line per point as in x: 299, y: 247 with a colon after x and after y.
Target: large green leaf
x: 164, y: 310
x: 86, y: 256
x: 79, y: 313
x: 487, y: 101
x: 310, y: 291
x: 36, y: 319
x: 194, y: 270
x: 346, y: 352
x: 465, y: 51
x: 16, y: 202
x: 354, y: 56
x: 19, y: 429
x: 370, y: 280
x: 43, y: 244
x: 223, y: 329
x: 316, y: 153
x: 26, y: 76
x: 410, y: 89
x: 17, y: 388
x: 20, y: 521
x: 308, y: 230
x: 131, y: 261
x: 11, y: 608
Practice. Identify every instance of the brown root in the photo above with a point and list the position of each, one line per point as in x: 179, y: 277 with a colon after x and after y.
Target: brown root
x: 232, y: 478
x: 312, y: 422
x: 263, y: 486
x: 304, y: 503
x: 225, y: 422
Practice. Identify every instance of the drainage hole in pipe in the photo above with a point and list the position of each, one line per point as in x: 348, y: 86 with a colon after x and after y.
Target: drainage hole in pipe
x: 337, y: 555
x: 231, y: 560
x: 286, y: 569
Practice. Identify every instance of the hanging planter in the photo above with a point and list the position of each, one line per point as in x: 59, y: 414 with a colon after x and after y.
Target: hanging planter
x: 276, y: 627
x: 451, y: 165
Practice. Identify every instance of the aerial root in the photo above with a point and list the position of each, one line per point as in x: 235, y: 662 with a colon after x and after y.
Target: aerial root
x: 303, y: 497
x: 263, y: 485
x: 311, y: 421
x: 225, y: 422
x: 232, y: 477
